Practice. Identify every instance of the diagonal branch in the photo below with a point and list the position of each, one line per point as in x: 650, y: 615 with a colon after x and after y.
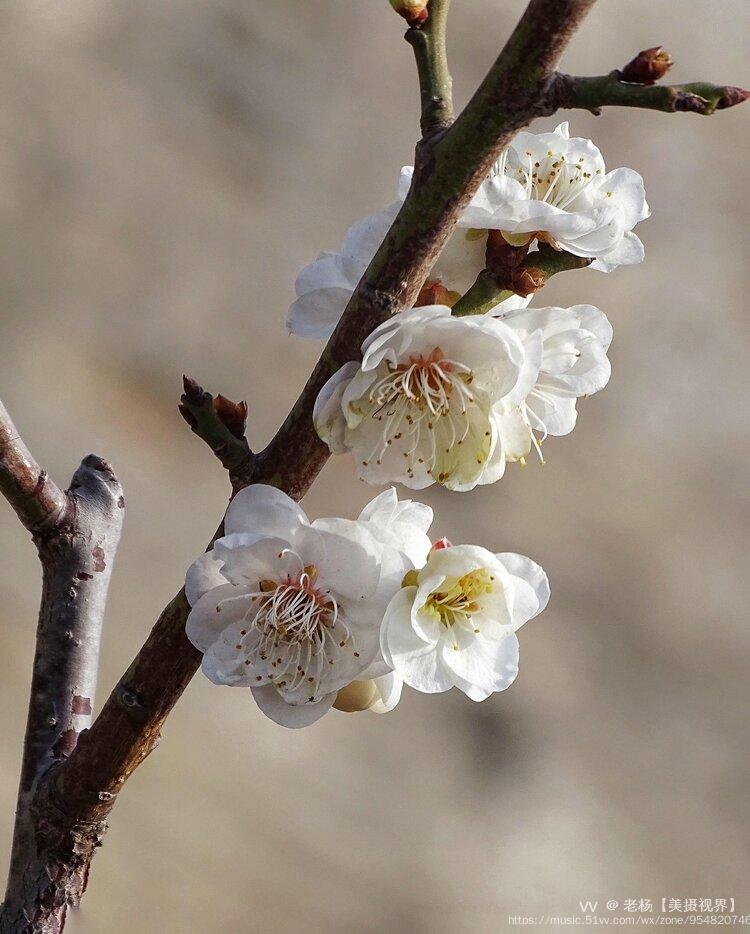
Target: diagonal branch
x: 76, y: 534
x: 593, y: 93
x: 428, y: 40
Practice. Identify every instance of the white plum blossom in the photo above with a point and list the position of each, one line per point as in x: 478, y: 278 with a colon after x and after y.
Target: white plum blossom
x: 325, y: 286
x: 291, y: 608
x: 423, y: 406
x: 573, y: 364
x: 453, y: 624
x: 556, y: 188
x: 545, y: 186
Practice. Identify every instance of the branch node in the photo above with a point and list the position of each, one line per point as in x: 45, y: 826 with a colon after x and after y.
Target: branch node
x: 648, y: 67
x: 221, y: 424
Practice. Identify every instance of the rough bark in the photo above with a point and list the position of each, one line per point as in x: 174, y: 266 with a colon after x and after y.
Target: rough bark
x: 76, y: 534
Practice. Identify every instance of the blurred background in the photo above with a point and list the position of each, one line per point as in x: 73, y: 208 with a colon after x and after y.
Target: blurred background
x: 165, y: 170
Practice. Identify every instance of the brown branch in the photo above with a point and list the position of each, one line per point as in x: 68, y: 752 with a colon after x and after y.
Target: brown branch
x: 221, y: 424
x: 593, y: 93
x: 38, y: 501
x: 76, y: 534
x: 520, y: 86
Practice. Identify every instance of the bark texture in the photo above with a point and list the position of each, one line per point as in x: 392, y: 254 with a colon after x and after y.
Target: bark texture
x: 76, y: 534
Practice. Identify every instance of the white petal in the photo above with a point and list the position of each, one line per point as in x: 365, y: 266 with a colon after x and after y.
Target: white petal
x: 263, y: 510
x: 328, y: 415
x: 485, y: 665
x: 506, y: 664
x: 203, y: 575
x: 213, y: 613
x: 531, y: 586
x: 628, y: 252
x: 389, y: 688
x: 292, y: 716
x: 346, y: 555
x: 316, y: 314
x: 365, y: 236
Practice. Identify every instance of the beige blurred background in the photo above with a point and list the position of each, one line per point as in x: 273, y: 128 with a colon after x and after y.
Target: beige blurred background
x: 166, y: 168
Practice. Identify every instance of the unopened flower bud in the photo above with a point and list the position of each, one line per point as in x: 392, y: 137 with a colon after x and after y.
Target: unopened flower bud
x: 502, y: 255
x: 435, y: 293
x: 413, y: 11
x: 232, y: 414
x: 527, y: 281
x: 359, y: 695
x: 441, y: 543
x: 648, y: 66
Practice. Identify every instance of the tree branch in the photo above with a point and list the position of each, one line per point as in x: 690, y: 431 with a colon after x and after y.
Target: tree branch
x: 221, y: 424
x: 37, y: 500
x: 531, y: 274
x: 73, y: 806
x: 76, y: 535
x: 520, y: 86
x: 593, y: 93
x: 428, y: 40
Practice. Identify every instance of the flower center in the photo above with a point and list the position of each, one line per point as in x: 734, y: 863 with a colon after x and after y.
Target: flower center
x: 456, y: 602
x: 426, y: 383
x: 294, y: 608
x: 294, y: 635
x: 551, y: 179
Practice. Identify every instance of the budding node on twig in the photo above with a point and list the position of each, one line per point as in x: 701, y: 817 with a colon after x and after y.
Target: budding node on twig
x: 648, y: 67
x: 413, y: 11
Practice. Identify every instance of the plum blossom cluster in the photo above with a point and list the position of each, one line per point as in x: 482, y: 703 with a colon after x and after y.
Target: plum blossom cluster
x: 341, y: 613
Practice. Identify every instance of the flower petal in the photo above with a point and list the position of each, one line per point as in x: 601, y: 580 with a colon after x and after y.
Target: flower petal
x: 292, y: 716
x: 265, y: 511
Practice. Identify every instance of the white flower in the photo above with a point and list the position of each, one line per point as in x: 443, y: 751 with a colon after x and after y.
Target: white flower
x: 454, y: 626
x: 325, y: 286
x: 292, y: 609
x: 550, y: 186
x: 574, y: 363
x: 545, y: 185
x: 421, y: 407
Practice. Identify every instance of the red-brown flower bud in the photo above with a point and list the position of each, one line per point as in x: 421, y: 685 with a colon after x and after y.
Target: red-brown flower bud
x: 441, y: 543
x: 648, y: 66
x: 526, y: 281
x: 413, y: 11
x: 233, y: 415
x: 500, y: 256
x: 435, y: 293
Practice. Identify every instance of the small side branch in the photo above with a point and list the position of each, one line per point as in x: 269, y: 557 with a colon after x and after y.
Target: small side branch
x: 531, y: 273
x: 76, y: 534
x: 221, y: 424
x: 428, y: 39
x: 593, y: 93
x: 38, y: 501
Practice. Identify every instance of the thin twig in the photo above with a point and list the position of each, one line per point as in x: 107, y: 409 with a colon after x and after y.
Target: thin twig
x: 593, y: 93
x: 221, y: 424
x: 531, y: 274
x: 76, y: 533
x: 37, y: 499
x: 435, y: 83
